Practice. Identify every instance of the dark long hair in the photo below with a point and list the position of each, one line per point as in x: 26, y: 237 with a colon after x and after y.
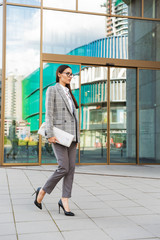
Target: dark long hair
x: 61, y: 69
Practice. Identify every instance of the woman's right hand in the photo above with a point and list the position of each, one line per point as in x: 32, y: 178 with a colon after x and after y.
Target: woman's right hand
x: 52, y: 140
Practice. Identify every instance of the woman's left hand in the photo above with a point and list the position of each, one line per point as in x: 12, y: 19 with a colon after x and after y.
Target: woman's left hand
x: 52, y: 140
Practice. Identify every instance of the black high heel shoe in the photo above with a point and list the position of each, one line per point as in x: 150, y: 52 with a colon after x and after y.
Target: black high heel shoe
x: 60, y: 204
x: 39, y: 205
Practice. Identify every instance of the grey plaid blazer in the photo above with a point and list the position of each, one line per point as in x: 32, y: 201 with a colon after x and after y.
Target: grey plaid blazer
x: 59, y: 114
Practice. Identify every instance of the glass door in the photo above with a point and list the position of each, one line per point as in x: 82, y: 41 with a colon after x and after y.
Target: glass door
x: 89, y: 87
x: 93, y: 145
x: 122, y: 115
x: 49, y: 79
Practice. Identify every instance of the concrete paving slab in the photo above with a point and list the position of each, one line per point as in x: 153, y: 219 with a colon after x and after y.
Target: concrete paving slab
x: 20, y: 196
x: 122, y: 203
x: 5, y: 198
x: 5, y: 202
x: 110, y: 197
x: 114, y: 222
x: 126, y: 233
x: 7, y: 229
x: 100, y: 191
x: 155, y: 209
x: 6, y: 218
x: 4, y: 191
x: 90, y: 198
x: 86, y: 235
x: 36, y: 227
x: 148, y: 202
x: 145, y: 238
x: 91, y: 205
x: 146, y: 219
x: 29, y: 216
x: 104, y: 212
x: 25, y: 208
x: 154, y: 195
x: 80, y: 224
x: 133, y: 194
x: 81, y: 192
x: 153, y: 228
x: 42, y: 236
x: 5, y: 208
x: 9, y: 237
x: 133, y: 211
x: 25, y: 201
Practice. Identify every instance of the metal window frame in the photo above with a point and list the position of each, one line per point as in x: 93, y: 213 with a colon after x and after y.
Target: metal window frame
x: 138, y: 64
x: 118, y: 63
x: 85, y: 12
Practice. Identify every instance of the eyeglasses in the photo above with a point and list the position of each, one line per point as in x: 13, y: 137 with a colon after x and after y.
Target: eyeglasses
x: 68, y: 74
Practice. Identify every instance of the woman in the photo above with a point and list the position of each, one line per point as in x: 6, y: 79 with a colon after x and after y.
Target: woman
x: 61, y: 112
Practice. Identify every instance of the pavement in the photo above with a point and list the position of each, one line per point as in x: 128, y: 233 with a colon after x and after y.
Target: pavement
x: 110, y: 202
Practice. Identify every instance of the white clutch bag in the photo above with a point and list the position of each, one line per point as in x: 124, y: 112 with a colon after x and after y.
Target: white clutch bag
x: 63, y: 137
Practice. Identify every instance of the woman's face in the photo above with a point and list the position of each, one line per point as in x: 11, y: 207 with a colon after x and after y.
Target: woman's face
x: 65, y: 77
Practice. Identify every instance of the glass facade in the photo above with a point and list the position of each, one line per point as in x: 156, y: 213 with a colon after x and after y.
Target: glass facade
x: 58, y: 38
x: 28, y: 2
x: 22, y: 89
x: 116, y: 7
x: 98, y: 6
x: 143, y: 40
x: 134, y: 8
x: 117, y: 31
x: 124, y: 38
x: 100, y: 91
x: 149, y: 116
x: 60, y: 4
x: 151, y: 8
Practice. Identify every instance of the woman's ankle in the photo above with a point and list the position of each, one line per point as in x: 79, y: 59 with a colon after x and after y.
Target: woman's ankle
x: 64, y: 199
x: 65, y: 203
x: 41, y: 195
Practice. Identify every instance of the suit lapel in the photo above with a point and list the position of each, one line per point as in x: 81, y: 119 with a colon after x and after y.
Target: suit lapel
x: 61, y: 92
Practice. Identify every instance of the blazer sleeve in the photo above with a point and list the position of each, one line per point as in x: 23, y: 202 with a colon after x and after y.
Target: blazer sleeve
x: 49, y: 104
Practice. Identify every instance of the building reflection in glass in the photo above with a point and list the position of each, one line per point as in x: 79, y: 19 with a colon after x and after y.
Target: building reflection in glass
x: 22, y: 92
x: 93, y: 115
